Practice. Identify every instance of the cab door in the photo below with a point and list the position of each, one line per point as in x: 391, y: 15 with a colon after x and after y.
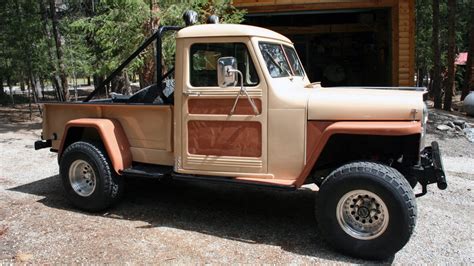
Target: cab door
x: 213, y: 141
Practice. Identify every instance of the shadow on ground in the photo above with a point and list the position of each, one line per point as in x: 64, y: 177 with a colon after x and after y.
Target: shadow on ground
x: 284, y: 219
x: 15, y: 127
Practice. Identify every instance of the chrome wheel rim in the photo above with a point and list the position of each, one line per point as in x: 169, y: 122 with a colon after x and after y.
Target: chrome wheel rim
x: 82, y: 178
x: 362, y: 214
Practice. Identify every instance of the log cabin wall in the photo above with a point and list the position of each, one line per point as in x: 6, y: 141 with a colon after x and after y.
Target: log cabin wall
x: 402, y: 26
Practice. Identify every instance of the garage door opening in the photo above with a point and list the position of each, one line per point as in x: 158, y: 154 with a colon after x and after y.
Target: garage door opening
x: 338, y: 48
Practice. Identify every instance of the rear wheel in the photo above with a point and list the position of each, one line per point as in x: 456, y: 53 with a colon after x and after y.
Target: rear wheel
x: 88, y: 179
x: 366, y: 210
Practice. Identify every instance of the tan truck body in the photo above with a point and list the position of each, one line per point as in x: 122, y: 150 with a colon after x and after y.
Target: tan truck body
x: 363, y: 147
x: 197, y: 135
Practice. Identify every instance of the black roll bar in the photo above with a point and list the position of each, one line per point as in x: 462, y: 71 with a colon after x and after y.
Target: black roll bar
x: 159, y: 68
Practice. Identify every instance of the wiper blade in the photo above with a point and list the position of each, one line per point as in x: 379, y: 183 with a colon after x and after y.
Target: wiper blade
x: 278, y: 65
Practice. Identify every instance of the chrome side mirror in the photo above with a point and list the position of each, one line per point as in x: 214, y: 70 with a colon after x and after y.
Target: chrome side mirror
x: 226, y: 72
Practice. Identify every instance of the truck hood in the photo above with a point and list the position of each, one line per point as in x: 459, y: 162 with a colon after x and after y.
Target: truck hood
x: 349, y: 103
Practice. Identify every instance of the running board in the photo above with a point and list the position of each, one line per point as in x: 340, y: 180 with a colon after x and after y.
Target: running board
x: 230, y: 180
x: 148, y: 171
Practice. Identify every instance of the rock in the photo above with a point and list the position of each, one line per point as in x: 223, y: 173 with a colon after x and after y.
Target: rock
x: 450, y: 124
x: 469, y: 132
x: 458, y: 128
x: 460, y: 123
x: 23, y: 257
x: 3, y: 230
x: 468, y: 104
x: 443, y: 127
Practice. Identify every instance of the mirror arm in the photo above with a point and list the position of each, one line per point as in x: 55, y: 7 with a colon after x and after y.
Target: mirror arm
x: 242, y: 89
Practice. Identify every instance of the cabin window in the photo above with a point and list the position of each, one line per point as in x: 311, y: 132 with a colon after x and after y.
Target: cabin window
x: 204, y: 58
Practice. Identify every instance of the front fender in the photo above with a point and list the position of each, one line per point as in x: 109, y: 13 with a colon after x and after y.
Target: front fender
x: 319, y: 132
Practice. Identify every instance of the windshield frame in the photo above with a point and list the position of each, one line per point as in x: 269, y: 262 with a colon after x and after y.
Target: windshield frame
x: 288, y: 62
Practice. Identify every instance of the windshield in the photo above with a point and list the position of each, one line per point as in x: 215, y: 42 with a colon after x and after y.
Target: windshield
x: 281, y: 60
x: 294, y: 61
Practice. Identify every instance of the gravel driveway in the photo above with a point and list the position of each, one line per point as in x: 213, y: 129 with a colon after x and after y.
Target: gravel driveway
x: 177, y: 222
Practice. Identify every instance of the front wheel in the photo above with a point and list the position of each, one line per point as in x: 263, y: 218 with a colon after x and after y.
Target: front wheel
x: 88, y: 178
x: 366, y: 210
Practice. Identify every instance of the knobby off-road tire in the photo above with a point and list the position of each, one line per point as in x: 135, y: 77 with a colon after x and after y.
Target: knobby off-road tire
x: 366, y: 210
x: 88, y: 178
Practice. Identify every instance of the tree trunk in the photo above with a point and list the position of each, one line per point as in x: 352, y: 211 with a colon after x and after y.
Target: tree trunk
x: 148, y: 73
x: 450, y: 83
x: 47, y: 33
x: 59, y: 49
x: 57, y: 86
x: 29, y: 87
x: 469, y: 78
x: 38, y: 91
x: 22, y: 85
x: 430, y: 84
x: 127, y: 88
x: 41, y: 81
x: 421, y: 77
x: 35, y: 90
x: 2, y: 92
x: 436, y: 57
x: 9, y: 82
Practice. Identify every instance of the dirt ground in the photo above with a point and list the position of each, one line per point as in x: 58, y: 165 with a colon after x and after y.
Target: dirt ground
x: 177, y: 222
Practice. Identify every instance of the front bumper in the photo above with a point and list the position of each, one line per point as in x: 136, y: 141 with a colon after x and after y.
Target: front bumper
x: 431, y: 169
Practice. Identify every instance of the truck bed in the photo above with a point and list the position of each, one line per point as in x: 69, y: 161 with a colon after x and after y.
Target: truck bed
x: 149, y: 128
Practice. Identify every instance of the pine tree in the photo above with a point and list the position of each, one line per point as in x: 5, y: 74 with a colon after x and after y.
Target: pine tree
x: 450, y: 84
x: 436, y: 87
x: 469, y: 77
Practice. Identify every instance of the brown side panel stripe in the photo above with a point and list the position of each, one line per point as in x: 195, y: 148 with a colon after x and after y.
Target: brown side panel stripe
x: 225, y: 138
x: 314, y: 132
x: 222, y: 106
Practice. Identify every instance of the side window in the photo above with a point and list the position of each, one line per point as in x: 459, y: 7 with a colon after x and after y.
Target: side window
x: 204, y: 58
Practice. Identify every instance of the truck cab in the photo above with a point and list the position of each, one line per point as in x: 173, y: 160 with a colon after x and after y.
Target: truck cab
x: 241, y: 110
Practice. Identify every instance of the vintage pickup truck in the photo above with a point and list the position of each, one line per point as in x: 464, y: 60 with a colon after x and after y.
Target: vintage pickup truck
x: 244, y: 112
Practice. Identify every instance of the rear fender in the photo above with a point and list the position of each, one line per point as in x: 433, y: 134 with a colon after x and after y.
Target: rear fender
x: 112, y: 136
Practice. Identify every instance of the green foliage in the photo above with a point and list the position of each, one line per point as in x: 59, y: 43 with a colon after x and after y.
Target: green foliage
x: 23, y: 48
x: 97, y: 35
x: 98, y: 43
x: 424, y: 52
x: 102, y: 41
x: 172, y: 14
x: 424, y: 24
